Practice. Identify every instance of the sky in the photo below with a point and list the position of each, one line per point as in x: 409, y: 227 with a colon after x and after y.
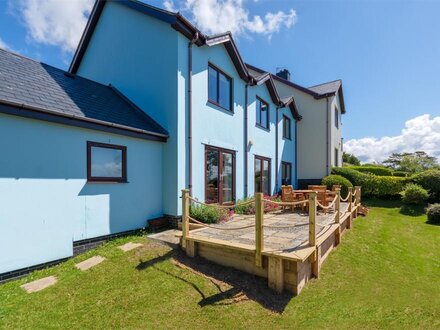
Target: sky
x: 386, y: 53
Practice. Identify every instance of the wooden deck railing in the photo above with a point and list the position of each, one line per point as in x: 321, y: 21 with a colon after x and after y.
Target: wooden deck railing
x: 313, y: 205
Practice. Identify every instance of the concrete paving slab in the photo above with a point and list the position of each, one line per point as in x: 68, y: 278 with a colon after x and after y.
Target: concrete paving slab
x: 40, y: 284
x: 130, y: 246
x: 89, y: 263
x: 168, y: 237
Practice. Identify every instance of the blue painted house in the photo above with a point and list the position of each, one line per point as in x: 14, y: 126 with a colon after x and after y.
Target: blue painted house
x: 150, y: 105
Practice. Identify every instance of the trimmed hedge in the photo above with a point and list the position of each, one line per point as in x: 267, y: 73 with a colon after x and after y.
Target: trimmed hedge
x: 400, y: 174
x: 332, y: 180
x: 372, y: 185
x: 376, y: 170
x: 414, y: 194
x: 430, y: 180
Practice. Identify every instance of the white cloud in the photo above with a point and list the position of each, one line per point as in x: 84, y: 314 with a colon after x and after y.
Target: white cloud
x: 420, y: 133
x: 169, y: 5
x: 55, y: 22
x: 216, y: 16
x: 3, y: 44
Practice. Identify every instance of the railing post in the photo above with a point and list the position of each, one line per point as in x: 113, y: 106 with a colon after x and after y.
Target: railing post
x: 350, y: 206
x: 312, y: 218
x: 185, y: 216
x: 259, y: 234
x: 357, y: 199
x: 338, y: 205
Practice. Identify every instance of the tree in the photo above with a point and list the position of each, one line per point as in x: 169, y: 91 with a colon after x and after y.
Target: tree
x: 416, y: 162
x: 350, y: 159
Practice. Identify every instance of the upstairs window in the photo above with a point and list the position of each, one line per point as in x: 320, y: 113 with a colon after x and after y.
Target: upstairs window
x: 336, y: 157
x: 286, y: 128
x: 106, y: 162
x: 262, y: 113
x: 336, y: 118
x: 219, y: 88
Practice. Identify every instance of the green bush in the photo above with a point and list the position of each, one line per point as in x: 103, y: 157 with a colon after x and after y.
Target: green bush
x: 372, y: 185
x: 388, y: 186
x: 400, y: 174
x: 414, y: 194
x: 245, y: 209
x: 433, y: 212
x: 376, y: 170
x: 430, y: 180
x: 208, y: 214
x: 357, y: 178
x: 332, y: 180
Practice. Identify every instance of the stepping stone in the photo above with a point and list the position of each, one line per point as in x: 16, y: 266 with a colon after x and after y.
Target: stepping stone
x: 130, y: 246
x: 39, y: 285
x: 89, y: 263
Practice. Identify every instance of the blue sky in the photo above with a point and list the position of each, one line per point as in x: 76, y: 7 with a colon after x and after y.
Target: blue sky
x: 386, y: 52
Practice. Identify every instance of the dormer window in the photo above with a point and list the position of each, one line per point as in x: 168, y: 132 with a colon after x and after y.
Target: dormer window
x: 219, y: 88
x: 286, y: 128
x: 262, y: 113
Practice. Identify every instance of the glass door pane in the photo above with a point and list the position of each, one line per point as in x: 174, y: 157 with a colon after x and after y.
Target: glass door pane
x: 258, y: 186
x: 212, y: 176
x: 227, y: 178
x: 266, y: 180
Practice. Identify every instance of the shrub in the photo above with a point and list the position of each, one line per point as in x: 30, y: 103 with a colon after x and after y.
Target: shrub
x: 400, y: 173
x: 433, y: 212
x: 249, y: 209
x: 414, y: 194
x: 372, y: 185
x: 245, y: 209
x: 376, y: 170
x: 357, y: 178
x: 209, y: 214
x: 388, y: 186
x: 331, y: 180
x: 430, y: 180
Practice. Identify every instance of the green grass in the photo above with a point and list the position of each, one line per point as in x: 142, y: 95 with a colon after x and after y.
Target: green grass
x: 384, y: 274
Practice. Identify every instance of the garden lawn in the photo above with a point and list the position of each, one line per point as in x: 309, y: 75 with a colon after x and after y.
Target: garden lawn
x: 384, y: 274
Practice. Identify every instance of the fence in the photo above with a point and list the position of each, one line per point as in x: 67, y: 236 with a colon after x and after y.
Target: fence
x: 353, y: 199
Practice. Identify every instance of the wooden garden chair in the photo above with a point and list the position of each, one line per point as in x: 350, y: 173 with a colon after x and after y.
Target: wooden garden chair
x: 289, y: 196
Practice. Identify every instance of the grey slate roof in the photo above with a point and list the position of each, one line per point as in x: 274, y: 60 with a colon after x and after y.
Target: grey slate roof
x: 25, y: 81
x: 327, y: 88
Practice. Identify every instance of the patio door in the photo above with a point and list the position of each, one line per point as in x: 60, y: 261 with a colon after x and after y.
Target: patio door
x: 219, y: 176
x: 262, y: 175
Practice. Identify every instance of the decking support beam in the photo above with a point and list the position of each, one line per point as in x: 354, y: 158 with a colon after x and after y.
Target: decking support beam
x: 275, y: 274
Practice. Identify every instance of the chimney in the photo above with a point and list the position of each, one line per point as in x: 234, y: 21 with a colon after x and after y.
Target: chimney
x: 284, y: 73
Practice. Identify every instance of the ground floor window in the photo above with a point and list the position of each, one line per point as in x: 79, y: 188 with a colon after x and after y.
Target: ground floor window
x: 106, y: 162
x: 336, y: 157
x: 286, y: 173
x: 220, y: 175
x: 262, y: 175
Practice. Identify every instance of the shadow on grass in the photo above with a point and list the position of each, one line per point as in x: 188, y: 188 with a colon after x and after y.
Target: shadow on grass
x: 385, y: 203
x: 233, y: 286
x: 412, y: 210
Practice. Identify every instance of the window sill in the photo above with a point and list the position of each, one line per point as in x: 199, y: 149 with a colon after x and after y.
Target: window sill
x: 219, y: 106
x: 267, y: 129
x: 104, y: 182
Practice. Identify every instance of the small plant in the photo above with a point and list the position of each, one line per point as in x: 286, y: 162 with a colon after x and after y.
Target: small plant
x: 414, y: 194
x: 433, y: 212
x: 209, y: 214
x: 247, y: 209
x: 332, y: 180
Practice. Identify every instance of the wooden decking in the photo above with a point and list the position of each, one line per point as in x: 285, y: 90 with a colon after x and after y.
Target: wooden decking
x: 289, y: 255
